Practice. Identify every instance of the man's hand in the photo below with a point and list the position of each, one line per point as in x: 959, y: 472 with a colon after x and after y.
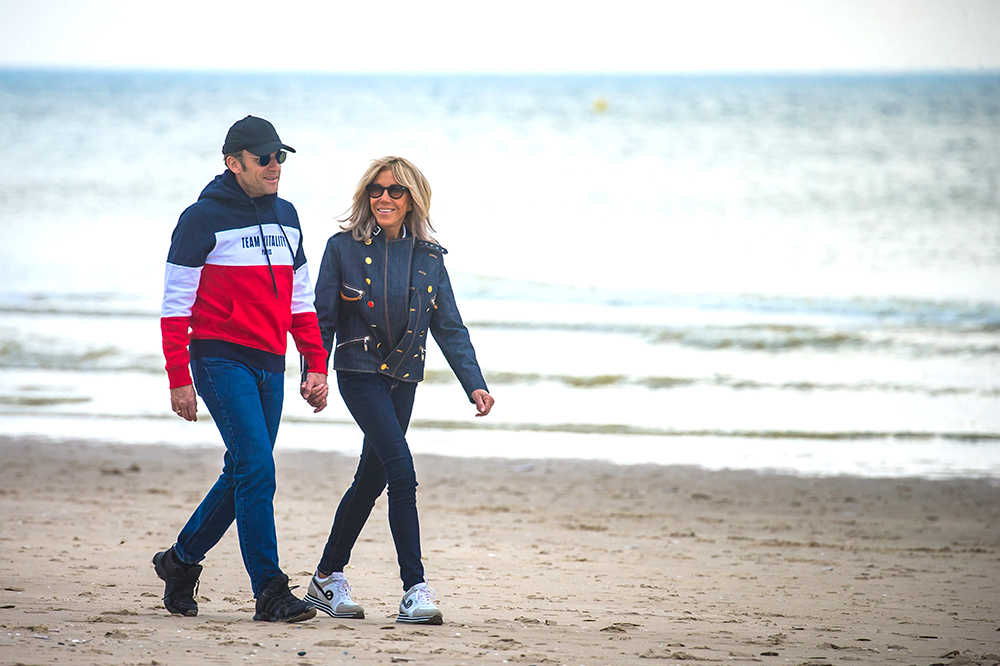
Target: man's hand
x: 484, y: 401
x: 315, y: 389
x: 184, y: 403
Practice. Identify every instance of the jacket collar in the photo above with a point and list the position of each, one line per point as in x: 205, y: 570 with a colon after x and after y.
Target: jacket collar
x: 378, y: 233
x: 427, y: 245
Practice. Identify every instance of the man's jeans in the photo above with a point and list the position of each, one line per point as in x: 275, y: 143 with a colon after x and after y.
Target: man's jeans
x: 381, y: 406
x: 246, y: 406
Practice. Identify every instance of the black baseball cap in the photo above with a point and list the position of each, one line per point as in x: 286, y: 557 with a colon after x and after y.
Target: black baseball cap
x: 254, y: 135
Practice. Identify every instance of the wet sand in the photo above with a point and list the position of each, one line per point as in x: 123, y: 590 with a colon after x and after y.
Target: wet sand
x: 534, y: 562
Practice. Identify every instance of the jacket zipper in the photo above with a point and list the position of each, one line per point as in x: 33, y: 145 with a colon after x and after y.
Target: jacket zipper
x: 359, y: 292
x: 351, y: 342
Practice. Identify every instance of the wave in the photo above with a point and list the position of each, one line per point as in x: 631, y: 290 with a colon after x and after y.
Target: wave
x: 41, y: 401
x: 896, y: 311
x: 720, y: 381
x: 968, y: 437
x: 78, y: 305
x: 633, y: 307
x: 17, y: 356
x: 983, y: 341
x: 32, y: 337
x: 782, y: 337
x: 40, y: 355
x: 619, y: 429
x: 779, y: 337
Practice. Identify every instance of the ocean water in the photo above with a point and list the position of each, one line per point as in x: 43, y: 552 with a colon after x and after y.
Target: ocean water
x: 794, y: 273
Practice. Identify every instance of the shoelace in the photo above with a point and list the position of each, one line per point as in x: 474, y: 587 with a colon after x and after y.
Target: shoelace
x: 424, y: 594
x: 190, y: 588
x: 344, y: 588
x: 284, y: 599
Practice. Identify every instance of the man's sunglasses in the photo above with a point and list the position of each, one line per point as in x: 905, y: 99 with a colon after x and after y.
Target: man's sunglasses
x: 395, y: 191
x: 264, y: 160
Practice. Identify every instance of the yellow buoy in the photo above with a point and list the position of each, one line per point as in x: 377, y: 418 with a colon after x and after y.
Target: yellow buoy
x: 600, y: 105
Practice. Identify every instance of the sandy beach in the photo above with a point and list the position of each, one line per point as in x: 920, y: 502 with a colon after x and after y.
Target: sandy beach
x: 534, y: 562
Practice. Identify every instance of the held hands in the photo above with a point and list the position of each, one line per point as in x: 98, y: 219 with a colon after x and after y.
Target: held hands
x: 315, y: 389
x: 484, y: 401
x: 184, y: 403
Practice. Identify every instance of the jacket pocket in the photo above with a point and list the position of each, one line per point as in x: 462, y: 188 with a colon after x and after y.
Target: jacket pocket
x: 349, y: 293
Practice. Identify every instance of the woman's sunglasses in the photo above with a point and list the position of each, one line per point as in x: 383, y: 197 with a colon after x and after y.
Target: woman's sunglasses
x: 264, y: 160
x: 395, y: 191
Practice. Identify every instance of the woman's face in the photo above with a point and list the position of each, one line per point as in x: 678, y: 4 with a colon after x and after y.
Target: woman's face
x: 389, y: 212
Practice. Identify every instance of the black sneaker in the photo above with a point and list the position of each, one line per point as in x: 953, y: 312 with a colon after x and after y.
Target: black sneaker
x: 181, y: 580
x: 277, y: 603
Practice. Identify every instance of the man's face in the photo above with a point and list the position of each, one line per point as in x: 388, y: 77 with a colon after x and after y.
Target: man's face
x: 256, y: 180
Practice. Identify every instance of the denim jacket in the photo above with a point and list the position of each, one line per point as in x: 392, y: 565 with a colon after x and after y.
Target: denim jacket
x: 351, y: 298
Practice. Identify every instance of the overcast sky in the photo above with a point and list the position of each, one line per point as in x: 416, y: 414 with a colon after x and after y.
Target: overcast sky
x: 509, y: 36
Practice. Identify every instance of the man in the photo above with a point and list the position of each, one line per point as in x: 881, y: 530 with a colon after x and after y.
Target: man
x: 236, y: 284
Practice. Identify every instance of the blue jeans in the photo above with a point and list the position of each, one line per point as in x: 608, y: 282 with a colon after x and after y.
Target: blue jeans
x: 381, y: 406
x: 246, y: 405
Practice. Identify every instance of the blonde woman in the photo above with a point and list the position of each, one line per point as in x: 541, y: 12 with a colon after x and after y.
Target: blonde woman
x: 382, y: 287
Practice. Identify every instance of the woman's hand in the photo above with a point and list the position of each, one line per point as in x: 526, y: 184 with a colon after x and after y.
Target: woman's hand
x: 484, y: 401
x: 315, y: 389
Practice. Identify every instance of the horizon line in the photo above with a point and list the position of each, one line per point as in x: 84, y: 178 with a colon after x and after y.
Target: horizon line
x: 789, y: 73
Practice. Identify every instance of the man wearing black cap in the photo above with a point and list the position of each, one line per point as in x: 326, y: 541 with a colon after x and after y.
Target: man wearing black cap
x: 236, y: 285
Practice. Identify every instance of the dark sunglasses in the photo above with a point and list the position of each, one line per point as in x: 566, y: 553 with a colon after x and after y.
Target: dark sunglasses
x: 395, y: 191
x: 264, y: 160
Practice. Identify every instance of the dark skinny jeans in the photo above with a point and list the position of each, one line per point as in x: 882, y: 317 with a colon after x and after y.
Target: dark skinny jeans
x: 381, y: 406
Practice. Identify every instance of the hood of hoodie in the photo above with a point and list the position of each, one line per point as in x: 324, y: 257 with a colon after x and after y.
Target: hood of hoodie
x: 225, y: 188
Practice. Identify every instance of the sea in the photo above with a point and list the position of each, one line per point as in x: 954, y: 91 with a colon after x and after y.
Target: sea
x: 797, y: 274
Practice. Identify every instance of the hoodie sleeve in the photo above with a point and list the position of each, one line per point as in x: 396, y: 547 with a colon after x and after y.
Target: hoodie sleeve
x: 305, y: 327
x: 190, y: 244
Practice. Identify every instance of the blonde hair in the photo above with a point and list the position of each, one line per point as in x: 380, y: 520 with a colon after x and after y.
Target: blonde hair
x: 361, y: 222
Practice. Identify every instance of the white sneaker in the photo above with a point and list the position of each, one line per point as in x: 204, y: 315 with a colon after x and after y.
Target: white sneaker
x: 418, y: 606
x: 332, y: 595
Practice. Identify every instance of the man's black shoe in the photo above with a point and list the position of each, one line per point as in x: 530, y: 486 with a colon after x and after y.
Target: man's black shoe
x: 277, y: 603
x: 181, y: 580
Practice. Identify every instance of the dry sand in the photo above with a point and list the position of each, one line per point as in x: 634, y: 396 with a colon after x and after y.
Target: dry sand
x: 543, y: 562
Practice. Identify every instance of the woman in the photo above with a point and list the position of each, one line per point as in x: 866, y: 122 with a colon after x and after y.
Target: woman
x: 382, y: 286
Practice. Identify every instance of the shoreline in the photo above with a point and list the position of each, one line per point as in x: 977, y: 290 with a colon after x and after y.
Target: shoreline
x: 534, y: 561
x: 880, y: 457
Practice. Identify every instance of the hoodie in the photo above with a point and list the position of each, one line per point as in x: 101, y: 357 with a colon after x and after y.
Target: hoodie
x: 237, y: 284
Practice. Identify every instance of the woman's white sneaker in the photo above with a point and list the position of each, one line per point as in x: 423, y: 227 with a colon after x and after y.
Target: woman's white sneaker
x: 332, y: 595
x: 417, y: 606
